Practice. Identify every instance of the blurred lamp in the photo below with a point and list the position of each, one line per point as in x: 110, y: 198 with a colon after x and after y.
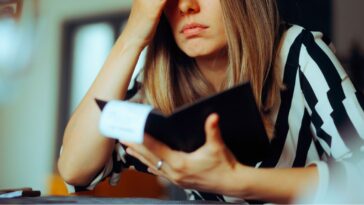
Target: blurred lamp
x: 17, y: 32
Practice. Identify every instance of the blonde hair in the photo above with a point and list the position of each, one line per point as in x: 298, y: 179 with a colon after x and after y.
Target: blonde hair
x: 252, y: 29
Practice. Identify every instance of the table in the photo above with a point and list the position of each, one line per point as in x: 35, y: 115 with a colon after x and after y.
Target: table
x: 95, y: 200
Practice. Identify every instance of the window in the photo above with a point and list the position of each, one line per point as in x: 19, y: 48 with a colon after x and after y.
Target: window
x: 86, y: 44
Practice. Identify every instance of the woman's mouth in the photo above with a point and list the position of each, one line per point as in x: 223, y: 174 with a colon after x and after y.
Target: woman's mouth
x: 193, y: 29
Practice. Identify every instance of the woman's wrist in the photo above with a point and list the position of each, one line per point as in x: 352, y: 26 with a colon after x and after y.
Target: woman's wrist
x: 126, y: 42
x: 275, y: 185
x: 239, y: 181
x: 132, y: 36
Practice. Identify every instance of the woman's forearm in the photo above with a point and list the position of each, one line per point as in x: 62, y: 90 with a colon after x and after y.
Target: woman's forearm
x: 274, y: 185
x: 84, y: 150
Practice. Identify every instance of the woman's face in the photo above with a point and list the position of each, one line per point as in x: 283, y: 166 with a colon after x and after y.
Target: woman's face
x: 197, y: 26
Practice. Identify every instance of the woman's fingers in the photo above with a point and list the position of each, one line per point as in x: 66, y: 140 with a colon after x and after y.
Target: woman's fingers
x: 156, y: 146
x: 140, y: 152
x: 139, y: 156
x: 150, y: 153
x: 143, y: 20
x: 212, y: 129
x: 162, y: 151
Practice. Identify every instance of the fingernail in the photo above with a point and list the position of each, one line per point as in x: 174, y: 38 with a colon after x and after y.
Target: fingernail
x: 215, y: 116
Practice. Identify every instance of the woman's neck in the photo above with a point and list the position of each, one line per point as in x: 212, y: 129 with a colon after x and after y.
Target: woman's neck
x: 214, y: 68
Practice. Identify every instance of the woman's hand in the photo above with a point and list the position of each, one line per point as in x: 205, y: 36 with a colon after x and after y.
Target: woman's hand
x: 212, y: 168
x: 207, y: 169
x: 143, y: 20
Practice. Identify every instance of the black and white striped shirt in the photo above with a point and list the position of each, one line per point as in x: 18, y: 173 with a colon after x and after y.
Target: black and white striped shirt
x: 319, y: 120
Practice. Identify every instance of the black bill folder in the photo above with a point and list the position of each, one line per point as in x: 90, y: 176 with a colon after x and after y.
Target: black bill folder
x: 239, y: 120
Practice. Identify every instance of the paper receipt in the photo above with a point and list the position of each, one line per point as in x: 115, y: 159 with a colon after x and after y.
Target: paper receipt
x: 124, y: 120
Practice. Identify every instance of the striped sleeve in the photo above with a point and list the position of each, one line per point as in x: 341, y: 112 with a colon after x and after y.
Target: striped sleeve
x: 336, y: 112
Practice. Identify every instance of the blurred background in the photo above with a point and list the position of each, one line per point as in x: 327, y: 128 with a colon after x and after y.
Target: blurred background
x: 50, y: 52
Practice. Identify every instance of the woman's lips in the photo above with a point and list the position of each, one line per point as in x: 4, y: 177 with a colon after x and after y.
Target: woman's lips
x: 193, y: 29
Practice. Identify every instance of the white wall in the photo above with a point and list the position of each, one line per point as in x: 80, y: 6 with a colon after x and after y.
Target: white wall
x: 28, y: 120
x: 348, y: 25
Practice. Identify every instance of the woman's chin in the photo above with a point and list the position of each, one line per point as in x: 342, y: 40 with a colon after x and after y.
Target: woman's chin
x: 197, y: 52
x: 201, y: 54
x: 203, y: 50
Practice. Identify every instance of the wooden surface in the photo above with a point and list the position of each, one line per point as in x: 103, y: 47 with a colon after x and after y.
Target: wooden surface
x: 132, y: 184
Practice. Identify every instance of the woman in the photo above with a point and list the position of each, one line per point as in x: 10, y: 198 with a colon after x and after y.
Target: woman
x: 197, y: 48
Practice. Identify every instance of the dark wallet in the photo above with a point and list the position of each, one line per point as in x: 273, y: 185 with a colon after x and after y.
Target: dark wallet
x: 240, y: 123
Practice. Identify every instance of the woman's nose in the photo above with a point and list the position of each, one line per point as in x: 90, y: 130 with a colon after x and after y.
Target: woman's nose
x: 188, y: 6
